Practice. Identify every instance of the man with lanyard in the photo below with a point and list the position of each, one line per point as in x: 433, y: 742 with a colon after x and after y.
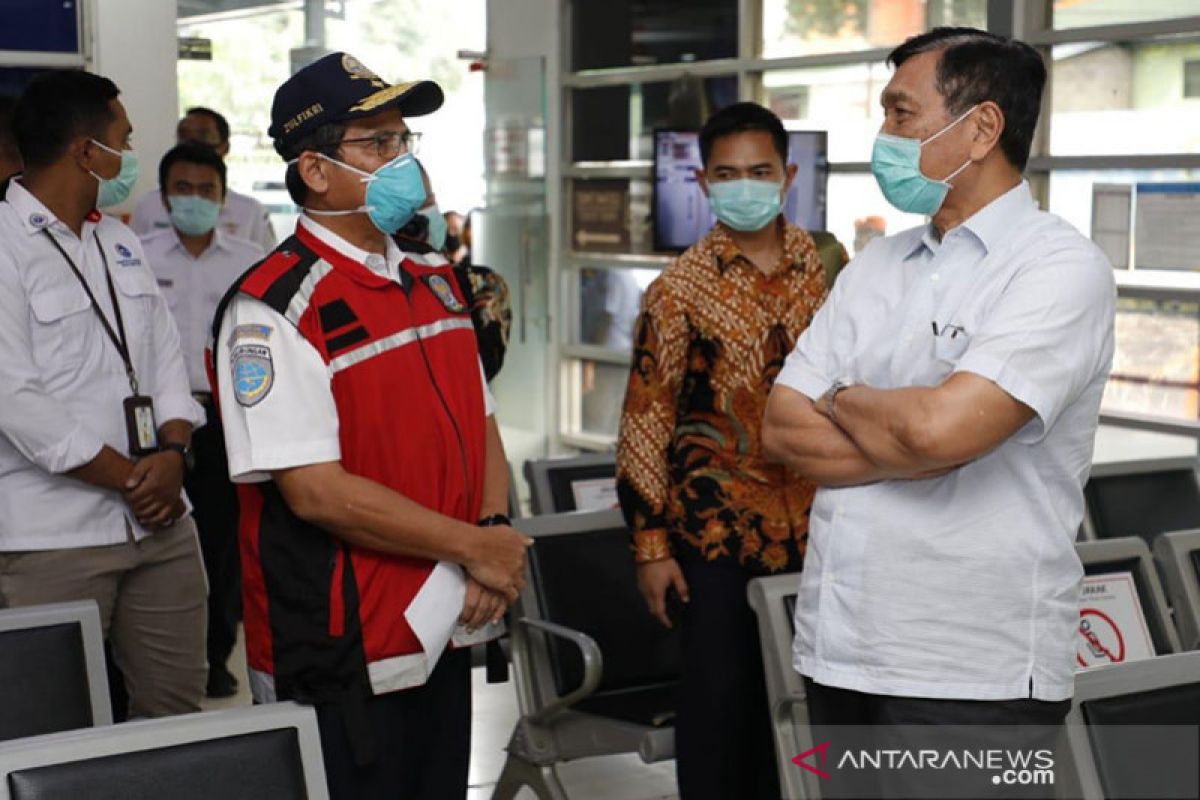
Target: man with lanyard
x: 195, y: 263
x: 95, y: 410
x: 357, y: 419
x: 241, y: 215
x: 946, y: 399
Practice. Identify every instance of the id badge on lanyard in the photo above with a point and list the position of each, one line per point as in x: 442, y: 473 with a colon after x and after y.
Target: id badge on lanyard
x: 140, y: 425
x: 141, y: 428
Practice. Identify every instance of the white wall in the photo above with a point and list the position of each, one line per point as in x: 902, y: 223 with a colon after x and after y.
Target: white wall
x: 134, y: 45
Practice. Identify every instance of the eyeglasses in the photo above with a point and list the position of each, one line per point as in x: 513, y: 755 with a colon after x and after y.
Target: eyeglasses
x: 389, y: 144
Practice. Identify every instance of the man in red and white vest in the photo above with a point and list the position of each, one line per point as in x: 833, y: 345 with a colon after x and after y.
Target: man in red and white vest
x: 372, y: 477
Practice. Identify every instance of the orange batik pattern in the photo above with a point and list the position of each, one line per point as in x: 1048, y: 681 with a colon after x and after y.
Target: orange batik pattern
x: 711, y: 338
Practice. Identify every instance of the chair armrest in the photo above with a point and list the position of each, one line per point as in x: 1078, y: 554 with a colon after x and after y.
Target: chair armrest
x: 593, y: 665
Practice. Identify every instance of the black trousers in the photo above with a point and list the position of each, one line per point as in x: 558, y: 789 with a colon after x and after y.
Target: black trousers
x: 724, y: 747
x: 216, y: 513
x: 422, y: 738
x: 857, y: 720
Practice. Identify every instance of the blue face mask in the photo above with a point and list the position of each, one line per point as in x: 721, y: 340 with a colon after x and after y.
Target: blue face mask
x: 746, y: 204
x: 436, y: 236
x: 896, y: 163
x: 394, y: 193
x: 116, y: 190
x: 193, y: 215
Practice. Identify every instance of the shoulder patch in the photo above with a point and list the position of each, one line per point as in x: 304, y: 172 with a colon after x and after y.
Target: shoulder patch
x: 261, y: 333
x: 253, y: 373
x: 444, y: 292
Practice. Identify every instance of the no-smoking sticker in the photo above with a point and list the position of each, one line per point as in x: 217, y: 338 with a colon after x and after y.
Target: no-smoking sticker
x: 1112, y: 626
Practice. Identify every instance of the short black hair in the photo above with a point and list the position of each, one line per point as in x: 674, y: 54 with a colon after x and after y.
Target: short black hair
x: 218, y: 118
x: 190, y: 153
x: 58, y: 107
x: 8, y: 142
x: 976, y: 66
x: 740, y: 118
x: 324, y: 139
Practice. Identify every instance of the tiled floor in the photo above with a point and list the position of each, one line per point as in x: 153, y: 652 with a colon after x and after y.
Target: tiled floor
x: 495, y: 712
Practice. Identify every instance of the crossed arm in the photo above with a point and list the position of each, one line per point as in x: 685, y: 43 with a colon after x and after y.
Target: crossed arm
x: 885, y: 434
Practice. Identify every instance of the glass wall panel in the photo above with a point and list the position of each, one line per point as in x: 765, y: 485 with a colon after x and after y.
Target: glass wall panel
x: 1125, y: 98
x: 809, y: 27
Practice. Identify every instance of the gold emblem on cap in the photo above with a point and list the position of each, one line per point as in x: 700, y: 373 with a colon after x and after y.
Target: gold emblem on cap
x: 357, y: 71
x: 379, y: 98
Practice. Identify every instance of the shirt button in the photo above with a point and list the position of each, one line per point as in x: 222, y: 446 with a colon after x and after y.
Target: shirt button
x: 934, y: 277
x: 840, y: 509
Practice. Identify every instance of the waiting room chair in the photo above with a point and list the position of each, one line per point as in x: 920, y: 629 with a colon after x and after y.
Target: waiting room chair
x: 773, y: 599
x: 1134, y: 731
x: 1142, y: 499
x: 52, y: 674
x: 1131, y: 554
x: 1178, y: 557
x: 553, y: 482
x: 268, y: 751
x: 595, y: 674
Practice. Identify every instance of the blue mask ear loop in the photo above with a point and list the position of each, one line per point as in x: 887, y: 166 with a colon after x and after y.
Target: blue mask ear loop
x: 367, y: 177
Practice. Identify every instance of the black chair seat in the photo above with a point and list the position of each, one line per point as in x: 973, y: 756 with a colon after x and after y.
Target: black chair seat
x: 645, y: 705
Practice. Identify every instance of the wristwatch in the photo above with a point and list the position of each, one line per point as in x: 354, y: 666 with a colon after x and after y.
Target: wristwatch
x: 185, y: 452
x: 831, y: 395
x: 494, y: 520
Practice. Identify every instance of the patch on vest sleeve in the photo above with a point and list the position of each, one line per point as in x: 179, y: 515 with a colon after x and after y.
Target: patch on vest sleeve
x: 253, y: 373
x: 441, y: 288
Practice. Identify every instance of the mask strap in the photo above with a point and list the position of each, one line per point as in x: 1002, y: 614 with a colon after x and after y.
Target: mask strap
x: 317, y: 212
x: 946, y: 180
x: 964, y: 115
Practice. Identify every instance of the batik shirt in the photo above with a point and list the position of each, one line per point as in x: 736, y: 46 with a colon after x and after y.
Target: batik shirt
x: 712, y: 335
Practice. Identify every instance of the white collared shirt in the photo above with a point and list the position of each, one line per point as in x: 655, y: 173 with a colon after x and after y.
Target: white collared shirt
x: 964, y: 586
x: 280, y: 432
x: 241, y: 215
x: 193, y: 287
x: 64, y: 382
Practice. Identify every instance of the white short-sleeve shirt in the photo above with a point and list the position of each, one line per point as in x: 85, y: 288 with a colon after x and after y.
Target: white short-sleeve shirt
x: 964, y: 586
x: 296, y: 422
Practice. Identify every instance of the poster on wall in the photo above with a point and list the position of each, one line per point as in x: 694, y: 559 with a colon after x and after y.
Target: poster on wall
x: 1112, y: 625
x: 600, y: 216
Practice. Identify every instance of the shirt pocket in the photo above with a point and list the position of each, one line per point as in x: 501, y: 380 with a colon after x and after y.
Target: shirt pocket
x: 136, y: 290
x: 949, y: 347
x: 61, y: 326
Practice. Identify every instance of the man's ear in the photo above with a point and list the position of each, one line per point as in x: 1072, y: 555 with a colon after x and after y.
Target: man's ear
x: 989, y: 123
x: 789, y: 176
x: 85, y: 154
x: 313, y: 171
x: 702, y: 179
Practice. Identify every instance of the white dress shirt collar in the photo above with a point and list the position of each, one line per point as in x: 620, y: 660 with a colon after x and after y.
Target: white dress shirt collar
x: 35, y: 215
x: 388, y: 267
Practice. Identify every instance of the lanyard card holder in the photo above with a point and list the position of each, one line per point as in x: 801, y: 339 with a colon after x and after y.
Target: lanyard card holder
x: 140, y: 425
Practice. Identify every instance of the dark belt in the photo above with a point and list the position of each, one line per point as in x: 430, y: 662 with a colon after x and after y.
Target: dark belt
x: 203, y: 398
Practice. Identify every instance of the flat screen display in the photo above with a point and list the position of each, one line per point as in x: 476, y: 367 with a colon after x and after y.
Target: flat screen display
x: 681, y: 211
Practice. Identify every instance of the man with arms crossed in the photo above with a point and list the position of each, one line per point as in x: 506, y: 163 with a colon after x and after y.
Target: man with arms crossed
x: 945, y: 399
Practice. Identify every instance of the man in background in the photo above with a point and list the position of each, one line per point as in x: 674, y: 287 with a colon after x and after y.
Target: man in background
x: 707, y: 511
x: 195, y: 263
x: 241, y: 215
